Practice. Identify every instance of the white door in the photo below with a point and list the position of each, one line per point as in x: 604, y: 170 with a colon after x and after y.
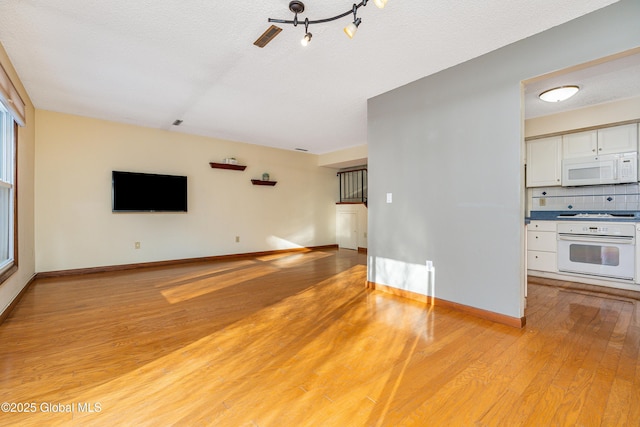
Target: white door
x: 347, y: 229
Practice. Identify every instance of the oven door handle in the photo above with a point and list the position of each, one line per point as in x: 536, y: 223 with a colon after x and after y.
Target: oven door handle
x: 622, y: 240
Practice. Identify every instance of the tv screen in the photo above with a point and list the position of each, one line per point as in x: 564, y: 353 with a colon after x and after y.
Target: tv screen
x: 144, y: 192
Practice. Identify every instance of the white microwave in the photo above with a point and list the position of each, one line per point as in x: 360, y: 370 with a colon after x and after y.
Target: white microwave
x: 605, y: 169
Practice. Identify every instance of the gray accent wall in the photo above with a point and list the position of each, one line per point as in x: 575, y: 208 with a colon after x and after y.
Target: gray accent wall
x: 450, y: 149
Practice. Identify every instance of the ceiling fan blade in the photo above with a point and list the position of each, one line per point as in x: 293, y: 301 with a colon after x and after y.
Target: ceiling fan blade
x: 267, y: 36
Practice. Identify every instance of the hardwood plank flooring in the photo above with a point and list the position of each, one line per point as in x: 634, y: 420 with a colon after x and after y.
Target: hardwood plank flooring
x: 297, y: 340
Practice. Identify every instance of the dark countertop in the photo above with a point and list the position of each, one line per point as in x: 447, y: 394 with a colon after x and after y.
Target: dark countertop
x: 555, y: 216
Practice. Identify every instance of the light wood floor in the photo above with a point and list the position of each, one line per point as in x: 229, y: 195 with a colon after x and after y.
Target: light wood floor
x: 297, y: 340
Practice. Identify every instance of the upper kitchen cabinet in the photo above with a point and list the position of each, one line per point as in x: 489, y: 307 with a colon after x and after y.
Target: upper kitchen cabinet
x: 544, y: 159
x: 580, y: 144
x: 616, y: 139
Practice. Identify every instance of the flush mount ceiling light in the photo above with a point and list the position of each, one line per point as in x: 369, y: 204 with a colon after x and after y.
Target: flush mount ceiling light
x: 558, y: 94
x: 297, y: 7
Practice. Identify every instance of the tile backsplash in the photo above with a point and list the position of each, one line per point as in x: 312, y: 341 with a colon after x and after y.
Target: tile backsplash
x: 620, y: 197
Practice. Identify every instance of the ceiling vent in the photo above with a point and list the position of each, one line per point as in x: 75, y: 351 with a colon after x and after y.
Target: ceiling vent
x: 267, y: 36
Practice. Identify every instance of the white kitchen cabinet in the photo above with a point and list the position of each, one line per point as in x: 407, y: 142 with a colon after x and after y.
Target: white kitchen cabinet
x: 542, y: 261
x: 580, y: 144
x: 542, y: 241
x: 618, y: 139
x: 615, y: 139
x: 542, y: 247
x: 544, y: 162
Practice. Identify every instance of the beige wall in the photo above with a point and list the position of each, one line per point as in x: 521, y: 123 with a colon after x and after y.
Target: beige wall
x: 26, y: 146
x: 353, y: 156
x: 602, y: 114
x: 75, y: 227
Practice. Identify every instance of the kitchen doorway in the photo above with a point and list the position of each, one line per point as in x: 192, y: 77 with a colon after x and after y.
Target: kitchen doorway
x: 609, y: 93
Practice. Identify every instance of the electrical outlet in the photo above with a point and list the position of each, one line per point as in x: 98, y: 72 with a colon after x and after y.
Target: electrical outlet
x: 137, y: 245
x: 237, y: 239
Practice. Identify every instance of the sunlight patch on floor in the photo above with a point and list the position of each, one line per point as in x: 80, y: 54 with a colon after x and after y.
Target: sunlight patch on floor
x: 194, y: 289
x: 300, y: 259
x: 200, y: 272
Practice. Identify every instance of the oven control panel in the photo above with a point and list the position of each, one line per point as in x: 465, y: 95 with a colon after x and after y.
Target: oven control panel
x: 600, y: 229
x: 595, y: 229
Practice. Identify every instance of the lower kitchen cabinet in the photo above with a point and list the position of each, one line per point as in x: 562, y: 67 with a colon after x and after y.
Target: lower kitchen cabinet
x: 542, y: 261
x: 542, y: 247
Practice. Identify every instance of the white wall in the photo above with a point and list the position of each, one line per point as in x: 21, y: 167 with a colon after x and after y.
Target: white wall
x: 26, y: 146
x: 449, y: 147
x: 75, y: 227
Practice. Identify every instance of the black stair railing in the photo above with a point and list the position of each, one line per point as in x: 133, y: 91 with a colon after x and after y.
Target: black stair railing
x: 353, y: 186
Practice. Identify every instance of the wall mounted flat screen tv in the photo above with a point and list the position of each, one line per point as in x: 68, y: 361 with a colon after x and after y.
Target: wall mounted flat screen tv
x: 144, y: 192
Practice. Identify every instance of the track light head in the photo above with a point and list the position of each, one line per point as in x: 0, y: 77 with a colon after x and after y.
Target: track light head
x: 306, y: 39
x: 350, y: 30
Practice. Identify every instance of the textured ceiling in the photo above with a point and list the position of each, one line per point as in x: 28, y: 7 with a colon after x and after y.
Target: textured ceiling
x: 600, y: 83
x: 150, y: 62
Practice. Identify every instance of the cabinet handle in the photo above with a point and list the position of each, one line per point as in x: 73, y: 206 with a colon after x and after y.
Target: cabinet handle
x: 594, y: 150
x: 599, y: 149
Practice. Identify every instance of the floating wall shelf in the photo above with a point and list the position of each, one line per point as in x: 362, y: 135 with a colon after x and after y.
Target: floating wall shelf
x: 261, y: 182
x: 227, y: 166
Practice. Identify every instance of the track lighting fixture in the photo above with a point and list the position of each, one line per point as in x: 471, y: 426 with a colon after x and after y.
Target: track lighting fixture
x: 297, y: 7
x: 307, y: 37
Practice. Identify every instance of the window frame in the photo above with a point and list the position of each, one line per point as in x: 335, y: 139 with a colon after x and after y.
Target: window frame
x: 12, y: 266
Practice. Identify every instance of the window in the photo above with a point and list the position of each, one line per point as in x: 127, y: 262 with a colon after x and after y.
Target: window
x: 7, y: 194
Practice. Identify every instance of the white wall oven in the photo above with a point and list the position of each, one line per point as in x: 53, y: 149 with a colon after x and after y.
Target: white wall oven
x: 602, y: 249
